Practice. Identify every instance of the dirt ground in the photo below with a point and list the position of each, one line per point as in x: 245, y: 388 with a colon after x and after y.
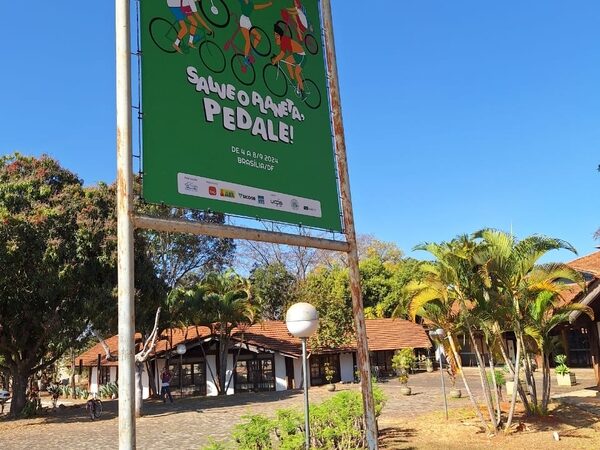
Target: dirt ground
x: 576, y: 429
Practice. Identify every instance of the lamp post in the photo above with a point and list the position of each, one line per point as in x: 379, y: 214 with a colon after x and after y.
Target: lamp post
x: 302, y: 320
x: 181, y: 349
x: 438, y: 335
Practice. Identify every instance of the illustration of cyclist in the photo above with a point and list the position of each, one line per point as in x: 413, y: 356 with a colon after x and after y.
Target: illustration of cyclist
x: 186, y: 10
x: 297, y: 12
x: 292, y: 53
x: 248, y: 7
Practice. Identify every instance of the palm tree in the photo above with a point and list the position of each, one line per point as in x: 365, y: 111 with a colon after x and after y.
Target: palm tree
x: 438, y: 298
x: 545, y: 313
x: 512, y: 278
x: 222, y: 302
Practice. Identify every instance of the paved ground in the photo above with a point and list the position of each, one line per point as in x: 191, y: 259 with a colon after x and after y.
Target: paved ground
x: 190, y: 423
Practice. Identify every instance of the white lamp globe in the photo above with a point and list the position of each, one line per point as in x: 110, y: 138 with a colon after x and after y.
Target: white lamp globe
x: 302, y: 320
x: 181, y: 349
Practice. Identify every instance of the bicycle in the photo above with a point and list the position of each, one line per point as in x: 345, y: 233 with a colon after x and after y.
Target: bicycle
x: 242, y: 67
x: 278, y: 81
x: 310, y: 42
x: 163, y: 33
x: 94, y: 407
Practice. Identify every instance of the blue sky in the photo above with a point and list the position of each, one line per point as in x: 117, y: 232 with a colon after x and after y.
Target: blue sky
x: 459, y: 115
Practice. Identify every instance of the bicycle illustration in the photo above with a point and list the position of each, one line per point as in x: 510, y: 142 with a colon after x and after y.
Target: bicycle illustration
x: 242, y: 66
x: 94, y: 407
x: 278, y: 82
x: 305, y: 36
x: 164, y: 32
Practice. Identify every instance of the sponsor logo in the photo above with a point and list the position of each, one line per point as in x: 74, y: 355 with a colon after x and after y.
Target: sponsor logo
x: 212, y: 190
x: 295, y: 204
x: 308, y: 208
x: 277, y: 203
x: 227, y: 193
x: 261, y: 200
x: 189, y: 186
x: 247, y: 197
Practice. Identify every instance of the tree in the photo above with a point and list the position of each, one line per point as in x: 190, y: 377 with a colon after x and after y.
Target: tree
x: 513, y: 279
x: 180, y: 255
x: 222, y: 303
x: 544, y: 314
x: 328, y: 290
x: 51, y: 265
x: 437, y: 296
x: 274, y: 290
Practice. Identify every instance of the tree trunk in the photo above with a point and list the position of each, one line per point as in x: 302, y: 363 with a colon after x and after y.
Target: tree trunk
x: 464, y: 379
x: 19, y: 392
x: 151, y: 380
x: 513, y: 400
x: 73, y: 374
x: 139, y: 389
x: 511, y: 369
x: 484, y: 382
x: 497, y: 390
x: 223, y: 350
x: 546, y: 382
x: 529, y: 377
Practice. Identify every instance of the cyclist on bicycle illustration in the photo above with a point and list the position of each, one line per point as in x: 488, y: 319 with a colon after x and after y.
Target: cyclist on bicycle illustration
x: 292, y: 53
x: 186, y: 10
x: 248, y: 7
x: 297, y: 12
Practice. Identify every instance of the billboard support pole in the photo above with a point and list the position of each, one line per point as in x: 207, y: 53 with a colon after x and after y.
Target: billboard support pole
x: 125, y: 228
x: 357, y: 306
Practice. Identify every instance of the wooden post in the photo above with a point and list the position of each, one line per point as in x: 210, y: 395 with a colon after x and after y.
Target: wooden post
x: 357, y: 305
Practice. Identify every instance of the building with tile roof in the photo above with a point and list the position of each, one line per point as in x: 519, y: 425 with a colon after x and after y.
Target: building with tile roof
x: 262, y: 357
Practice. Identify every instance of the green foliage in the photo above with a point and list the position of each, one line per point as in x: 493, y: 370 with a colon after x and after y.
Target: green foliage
x: 336, y: 423
x: 274, y: 289
x: 402, y: 361
x: 327, y: 289
x: 108, y: 390
x: 214, y: 445
x: 254, y: 433
x: 500, y: 377
x: 561, y: 368
x: 329, y: 372
x: 182, y: 259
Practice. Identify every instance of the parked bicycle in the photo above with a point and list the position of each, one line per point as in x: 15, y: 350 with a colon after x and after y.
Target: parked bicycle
x: 94, y: 407
x: 278, y: 82
x: 164, y: 32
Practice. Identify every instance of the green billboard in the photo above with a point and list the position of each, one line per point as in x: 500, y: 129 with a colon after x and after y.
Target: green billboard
x: 236, y: 115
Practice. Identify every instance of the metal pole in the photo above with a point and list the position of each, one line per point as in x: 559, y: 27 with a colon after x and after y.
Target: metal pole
x: 234, y: 232
x: 357, y: 306
x: 443, y: 386
x: 125, y: 229
x: 305, y: 384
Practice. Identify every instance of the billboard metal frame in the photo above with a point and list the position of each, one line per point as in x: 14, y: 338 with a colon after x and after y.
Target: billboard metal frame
x: 127, y: 221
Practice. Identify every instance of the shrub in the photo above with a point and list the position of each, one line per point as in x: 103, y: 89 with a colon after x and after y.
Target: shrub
x: 561, y: 368
x: 336, y: 423
x: 402, y: 361
x: 500, y: 378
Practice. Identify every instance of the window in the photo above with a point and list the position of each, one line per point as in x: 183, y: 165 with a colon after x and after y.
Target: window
x: 103, y: 375
x: 317, y: 368
x: 190, y: 380
x: 383, y: 361
x: 255, y: 375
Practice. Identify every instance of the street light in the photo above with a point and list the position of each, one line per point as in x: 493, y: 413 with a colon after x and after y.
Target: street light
x: 302, y: 320
x: 441, y: 334
x: 181, y: 349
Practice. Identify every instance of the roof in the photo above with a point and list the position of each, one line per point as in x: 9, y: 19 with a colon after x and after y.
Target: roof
x: 589, y: 264
x: 382, y: 334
